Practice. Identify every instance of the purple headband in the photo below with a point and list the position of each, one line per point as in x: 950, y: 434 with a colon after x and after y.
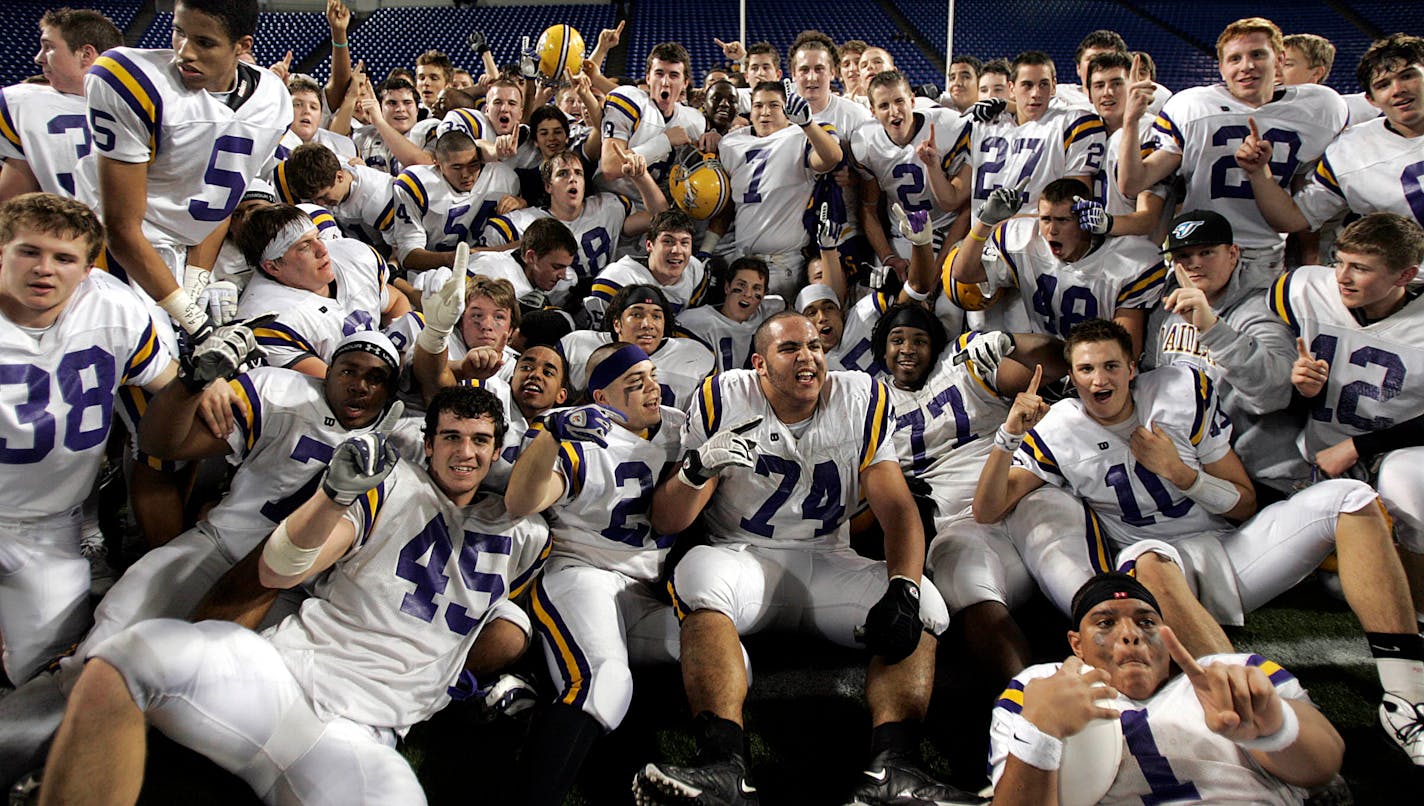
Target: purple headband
x: 612, y: 367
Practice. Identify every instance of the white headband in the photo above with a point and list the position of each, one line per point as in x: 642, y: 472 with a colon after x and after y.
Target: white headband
x: 287, y: 237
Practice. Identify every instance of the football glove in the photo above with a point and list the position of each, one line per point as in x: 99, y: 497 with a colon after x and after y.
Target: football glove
x: 987, y: 109
x: 893, y: 626
x: 478, y: 44
x: 722, y: 450
x: 443, y: 311
x: 1002, y: 203
x: 828, y: 231
x: 987, y: 350
x: 222, y: 354
x: 914, y: 226
x: 528, y: 63
x: 583, y: 424
x: 362, y: 462
x: 797, y: 110
x: 1092, y: 216
x: 220, y: 298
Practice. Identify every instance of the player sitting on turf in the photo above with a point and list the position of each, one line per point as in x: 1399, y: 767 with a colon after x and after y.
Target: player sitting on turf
x: 1229, y: 727
x: 310, y: 710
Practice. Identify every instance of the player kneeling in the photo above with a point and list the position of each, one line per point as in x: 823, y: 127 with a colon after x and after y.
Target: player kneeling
x: 309, y: 711
x: 1230, y: 727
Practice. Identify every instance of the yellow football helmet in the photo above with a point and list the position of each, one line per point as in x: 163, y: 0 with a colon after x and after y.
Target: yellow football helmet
x: 560, y: 47
x: 699, y: 185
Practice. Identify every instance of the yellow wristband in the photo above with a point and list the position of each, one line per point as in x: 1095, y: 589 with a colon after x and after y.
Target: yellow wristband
x: 979, y: 238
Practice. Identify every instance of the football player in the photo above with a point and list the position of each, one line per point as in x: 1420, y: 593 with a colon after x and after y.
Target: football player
x: 1093, y: 45
x: 595, y: 605
x: 1045, y: 140
x: 1110, y: 212
x: 321, y: 290
x: 961, y: 83
x: 1201, y: 128
x: 773, y: 166
x: 433, y: 71
x: 361, y: 199
x: 1371, y: 167
x: 671, y: 266
x: 439, y: 206
x: 994, y: 80
x: 849, y: 63
x: 796, y: 447
x: 375, y: 653
x: 651, y: 123
x: 1063, y: 274
x: 1357, y: 325
x: 385, y: 142
x: 1167, y: 491
x: 641, y: 315
x: 69, y: 338
x: 1229, y: 727
x: 729, y: 327
x: 1307, y: 59
x: 156, y: 117
x: 45, y: 130
x: 306, y: 122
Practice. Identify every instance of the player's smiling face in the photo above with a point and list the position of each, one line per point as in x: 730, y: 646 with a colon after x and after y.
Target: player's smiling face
x: 62, y: 66
x: 792, y: 365
x: 1367, y: 283
x: 566, y: 183
x: 1122, y: 637
x: 721, y: 104
x: 641, y: 324
x: 894, y: 107
x: 963, y: 88
x: 398, y: 107
x: 461, y: 168
x: 1058, y: 227
x: 1398, y: 92
x: 636, y: 395
x: 745, y: 291
x: 1033, y: 88
x: 358, y: 386
x: 459, y: 454
x: 1102, y: 373
x: 666, y: 83
x: 1107, y: 90
x: 538, y: 381
x: 38, y: 274
x: 205, y: 56
x: 768, y: 113
x: 762, y: 67
x: 504, y: 109
x: 306, y: 115
x: 1248, y: 66
x: 551, y: 138
x: 305, y: 264
x: 485, y: 323
x: 1208, y: 267
x: 668, y: 255
x: 828, y: 320
x: 875, y: 61
x: 813, y: 72
x: 850, y: 72
x: 907, y: 356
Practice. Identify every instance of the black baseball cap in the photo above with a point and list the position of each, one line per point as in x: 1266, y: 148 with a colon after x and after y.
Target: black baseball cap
x: 1198, y: 228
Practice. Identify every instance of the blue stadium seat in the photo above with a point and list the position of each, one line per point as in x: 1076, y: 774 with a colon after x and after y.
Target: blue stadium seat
x: 20, y: 36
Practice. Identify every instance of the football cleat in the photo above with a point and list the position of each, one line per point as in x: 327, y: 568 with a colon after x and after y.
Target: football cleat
x: 512, y: 694
x: 559, y: 48
x: 718, y: 783
x: 1404, y: 722
x: 699, y: 185
x: 893, y: 779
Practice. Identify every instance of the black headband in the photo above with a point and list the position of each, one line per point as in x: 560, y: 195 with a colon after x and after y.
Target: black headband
x: 1111, y: 585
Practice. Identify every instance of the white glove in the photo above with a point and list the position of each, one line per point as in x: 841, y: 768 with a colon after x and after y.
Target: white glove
x: 828, y: 232
x: 722, y: 450
x: 443, y: 310
x: 220, y: 298
x: 797, y: 110
x: 528, y: 65
x: 195, y: 279
x: 914, y: 226
x: 1003, y: 203
x: 223, y: 353
x: 987, y: 350
x: 1092, y: 216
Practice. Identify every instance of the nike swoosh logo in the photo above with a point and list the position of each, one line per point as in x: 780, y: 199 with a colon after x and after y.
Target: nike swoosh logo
x: 1389, y: 648
x: 747, y: 789
x: 878, y: 775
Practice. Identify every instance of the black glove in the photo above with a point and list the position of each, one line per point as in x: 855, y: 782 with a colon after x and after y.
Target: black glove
x: 893, y: 626
x: 987, y: 109
x: 929, y: 91
x: 478, y: 44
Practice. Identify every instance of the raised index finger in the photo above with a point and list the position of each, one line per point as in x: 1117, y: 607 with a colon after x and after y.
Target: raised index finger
x: 1255, y: 132
x: 1183, y: 279
x: 1300, y: 348
x: 1136, y: 66
x: 1179, y: 653
x: 1037, y: 377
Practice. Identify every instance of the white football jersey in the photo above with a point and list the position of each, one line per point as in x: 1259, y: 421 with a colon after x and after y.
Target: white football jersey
x: 730, y: 342
x: 367, y: 212
x: 1168, y: 752
x: 844, y: 115
x: 1106, y: 189
x: 771, y: 186
x: 374, y: 151
x: 309, y: 324
x: 47, y: 129
x: 682, y: 364
x: 803, y: 489
x: 202, y: 149
x: 631, y: 116
x: 687, y: 292
x: 602, y: 518
x: 945, y: 429
x: 470, y: 121
x: 1374, y: 369
x: 339, y: 144
x: 1123, y: 272
x: 430, y: 214
x: 1370, y: 168
x: 854, y: 351
x: 597, y: 230
x: 900, y: 173
x: 1064, y: 142
x: 388, y: 637
x: 285, y: 435
x: 1071, y: 450
x: 1207, y: 124
x: 502, y: 230
x: 57, y: 389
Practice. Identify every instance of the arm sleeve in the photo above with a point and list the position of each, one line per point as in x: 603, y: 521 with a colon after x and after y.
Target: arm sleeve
x: 1256, y: 350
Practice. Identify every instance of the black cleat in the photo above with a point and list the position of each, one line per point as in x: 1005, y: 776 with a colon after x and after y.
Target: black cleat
x: 718, y: 783
x: 894, y: 780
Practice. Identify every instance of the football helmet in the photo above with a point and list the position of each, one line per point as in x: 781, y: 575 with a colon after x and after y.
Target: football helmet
x: 560, y: 47
x: 699, y: 185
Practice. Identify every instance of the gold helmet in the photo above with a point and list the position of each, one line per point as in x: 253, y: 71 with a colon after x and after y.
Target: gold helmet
x: 560, y: 47
x: 699, y: 185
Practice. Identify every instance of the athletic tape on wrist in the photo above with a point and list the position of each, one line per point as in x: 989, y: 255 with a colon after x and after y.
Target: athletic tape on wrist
x: 1034, y: 747
x: 1007, y: 442
x: 184, y: 310
x: 286, y: 558
x: 1217, y: 496
x: 1284, y: 736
